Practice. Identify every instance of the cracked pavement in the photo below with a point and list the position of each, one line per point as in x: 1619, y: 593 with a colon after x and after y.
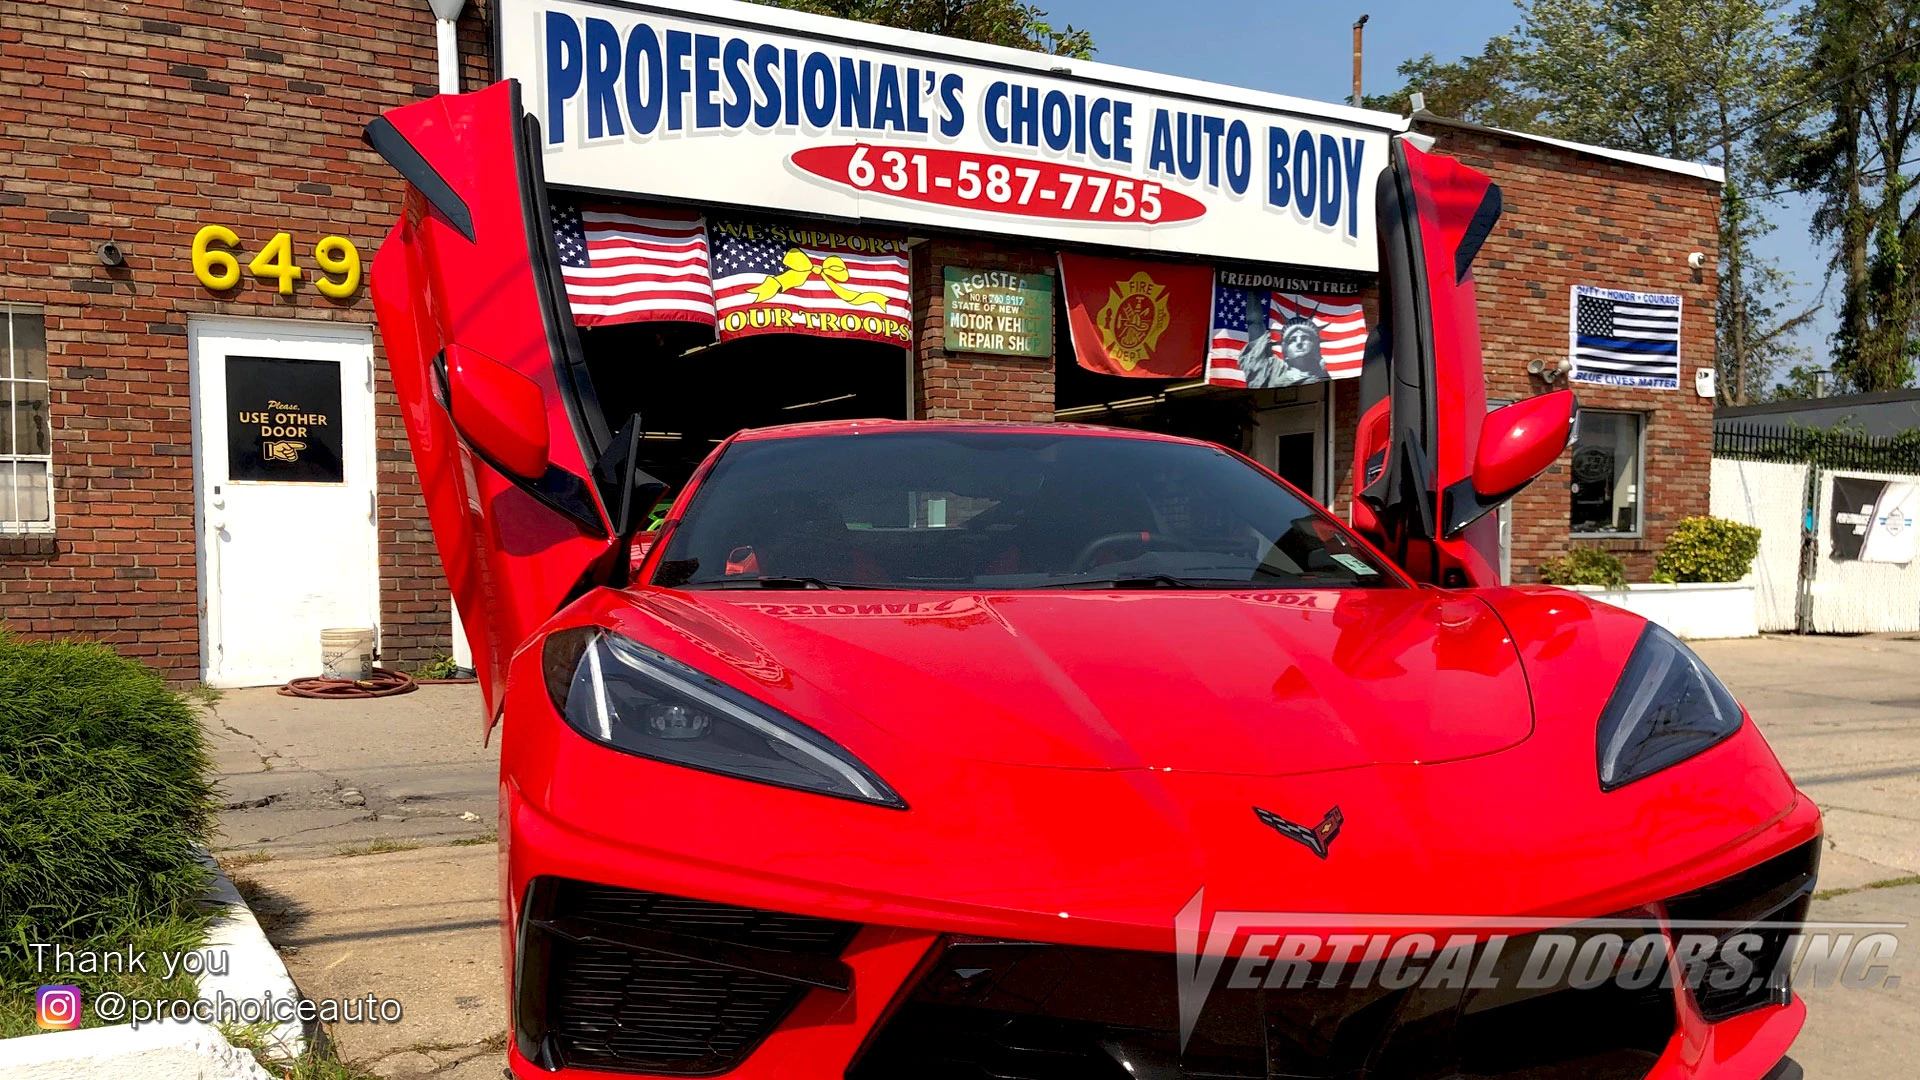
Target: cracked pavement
x: 362, y: 834
x: 302, y: 777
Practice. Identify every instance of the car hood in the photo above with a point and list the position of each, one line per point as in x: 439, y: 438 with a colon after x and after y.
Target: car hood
x: 1252, y: 683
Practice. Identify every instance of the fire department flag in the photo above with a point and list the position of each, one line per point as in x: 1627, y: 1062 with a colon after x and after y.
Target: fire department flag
x: 1146, y: 320
x: 771, y: 278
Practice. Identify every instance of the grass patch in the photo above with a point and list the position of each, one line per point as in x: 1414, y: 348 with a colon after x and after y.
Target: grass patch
x: 202, y: 694
x: 1886, y: 883
x: 440, y: 667
x: 104, y: 807
x: 378, y: 847
x: 230, y: 863
x: 475, y: 841
x: 152, y: 939
x: 312, y: 1065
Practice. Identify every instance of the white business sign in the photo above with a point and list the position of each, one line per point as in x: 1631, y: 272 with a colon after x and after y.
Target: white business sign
x: 734, y: 104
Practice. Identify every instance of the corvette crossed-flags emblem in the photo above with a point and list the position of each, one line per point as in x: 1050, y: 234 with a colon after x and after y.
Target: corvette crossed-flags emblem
x: 1317, y: 839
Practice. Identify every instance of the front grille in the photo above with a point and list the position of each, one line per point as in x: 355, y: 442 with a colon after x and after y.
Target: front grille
x: 1764, y: 905
x: 632, y: 981
x: 1024, y: 1011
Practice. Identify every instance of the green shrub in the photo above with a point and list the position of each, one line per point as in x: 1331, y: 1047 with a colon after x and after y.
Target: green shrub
x: 1708, y: 549
x: 441, y: 666
x: 1585, y: 566
x: 104, y: 801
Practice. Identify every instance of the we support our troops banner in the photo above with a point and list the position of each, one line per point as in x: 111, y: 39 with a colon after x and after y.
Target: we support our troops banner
x: 1135, y: 318
x: 773, y: 278
x: 1872, y: 520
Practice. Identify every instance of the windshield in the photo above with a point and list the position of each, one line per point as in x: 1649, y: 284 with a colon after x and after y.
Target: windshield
x: 944, y: 509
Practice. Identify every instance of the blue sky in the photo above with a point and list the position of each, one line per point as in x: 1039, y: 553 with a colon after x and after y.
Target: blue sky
x: 1305, y: 48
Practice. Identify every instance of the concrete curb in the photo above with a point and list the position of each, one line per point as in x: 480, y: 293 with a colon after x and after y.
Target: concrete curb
x: 253, y: 968
x: 168, y: 1051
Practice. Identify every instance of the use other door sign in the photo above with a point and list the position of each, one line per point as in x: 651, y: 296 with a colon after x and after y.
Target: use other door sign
x: 283, y: 420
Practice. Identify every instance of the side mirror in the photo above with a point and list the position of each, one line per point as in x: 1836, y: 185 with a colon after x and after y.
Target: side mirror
x: 1517, y: 443
x: 498, y: 411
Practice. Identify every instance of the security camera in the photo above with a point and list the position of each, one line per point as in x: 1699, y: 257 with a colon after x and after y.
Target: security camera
x: 1697, y: 259
x: 111, y: 254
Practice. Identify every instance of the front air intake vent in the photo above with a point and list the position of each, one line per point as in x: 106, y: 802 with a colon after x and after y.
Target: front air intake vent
x: 1754, y: 915
x: 631, y: 981
x: 1014, y: 1010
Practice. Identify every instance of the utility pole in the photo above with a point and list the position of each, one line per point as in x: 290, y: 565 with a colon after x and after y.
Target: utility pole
x: 1359, y: 28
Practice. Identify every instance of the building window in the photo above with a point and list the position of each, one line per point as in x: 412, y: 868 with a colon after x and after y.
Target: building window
x: 26, y: 438
x: 1607, y: 474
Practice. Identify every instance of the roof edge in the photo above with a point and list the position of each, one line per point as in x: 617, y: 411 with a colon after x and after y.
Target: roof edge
x: 1712, y: 174
x: 1835, y: 401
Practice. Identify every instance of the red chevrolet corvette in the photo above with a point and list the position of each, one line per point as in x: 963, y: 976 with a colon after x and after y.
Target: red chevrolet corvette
x: 956, y: 750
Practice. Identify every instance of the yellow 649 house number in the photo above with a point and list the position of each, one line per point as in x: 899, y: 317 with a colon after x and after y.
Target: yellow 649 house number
x: 217, y: 264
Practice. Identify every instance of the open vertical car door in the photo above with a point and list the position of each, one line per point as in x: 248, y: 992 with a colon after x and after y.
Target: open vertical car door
x: 505, y: 429
x: 1430, y: 463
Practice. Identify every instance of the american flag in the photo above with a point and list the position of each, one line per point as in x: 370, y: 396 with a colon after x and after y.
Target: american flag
x: 1341, y: 321
x: 1625, y: 338
x: 746, y: 256
x: 1228, y: 337
x: 633, y: 264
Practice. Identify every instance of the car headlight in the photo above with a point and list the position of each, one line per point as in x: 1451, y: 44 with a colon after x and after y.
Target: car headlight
x: 1666, y: 708
x: 622, y: 694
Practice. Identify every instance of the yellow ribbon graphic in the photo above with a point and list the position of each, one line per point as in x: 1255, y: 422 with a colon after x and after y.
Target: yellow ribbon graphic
x: 832, y: 270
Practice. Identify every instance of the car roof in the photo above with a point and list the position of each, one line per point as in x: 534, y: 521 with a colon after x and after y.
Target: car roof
x: 998, y: 427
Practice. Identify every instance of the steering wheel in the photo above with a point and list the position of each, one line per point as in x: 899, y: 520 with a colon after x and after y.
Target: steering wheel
x: 1146, y: 540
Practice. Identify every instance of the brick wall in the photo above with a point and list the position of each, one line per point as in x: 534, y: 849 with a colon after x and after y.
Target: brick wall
x: 1580, y: 219
x: 140, y: 123
x: 974, y: 386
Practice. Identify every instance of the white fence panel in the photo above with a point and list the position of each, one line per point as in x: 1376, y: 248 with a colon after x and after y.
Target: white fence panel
x: 1854, y: 597
x: 1770, y: 495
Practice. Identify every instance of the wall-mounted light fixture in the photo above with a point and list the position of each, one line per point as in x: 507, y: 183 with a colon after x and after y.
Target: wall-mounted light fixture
x: 1540, y: 369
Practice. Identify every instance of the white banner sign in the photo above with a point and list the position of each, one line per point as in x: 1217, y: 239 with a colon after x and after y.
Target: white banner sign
x: 724, y: 103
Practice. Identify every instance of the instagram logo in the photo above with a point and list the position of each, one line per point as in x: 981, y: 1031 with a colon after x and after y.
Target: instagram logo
x: 57, y: 1007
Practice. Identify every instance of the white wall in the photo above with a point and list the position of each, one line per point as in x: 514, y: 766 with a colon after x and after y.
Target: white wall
x: 1770, y: 495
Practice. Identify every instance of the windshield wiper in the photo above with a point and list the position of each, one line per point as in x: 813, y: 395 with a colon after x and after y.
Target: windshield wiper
x: 777, y: 583
x: 1135, y: 581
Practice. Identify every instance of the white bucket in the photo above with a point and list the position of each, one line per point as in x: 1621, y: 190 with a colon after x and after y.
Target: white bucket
x: 346, y: 653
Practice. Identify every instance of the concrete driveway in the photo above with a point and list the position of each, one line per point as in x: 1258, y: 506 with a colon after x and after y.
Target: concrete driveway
x: 363, y: 832
x: 1843, y: 713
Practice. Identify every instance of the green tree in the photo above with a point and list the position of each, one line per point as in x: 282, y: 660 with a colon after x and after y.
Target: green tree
x: 1801, y: 381
x: 1482, y: 89
x: 995, y: 22
x: 1859, y: 139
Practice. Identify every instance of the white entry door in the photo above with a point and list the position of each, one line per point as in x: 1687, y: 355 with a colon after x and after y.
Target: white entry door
x: 284, y: 469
